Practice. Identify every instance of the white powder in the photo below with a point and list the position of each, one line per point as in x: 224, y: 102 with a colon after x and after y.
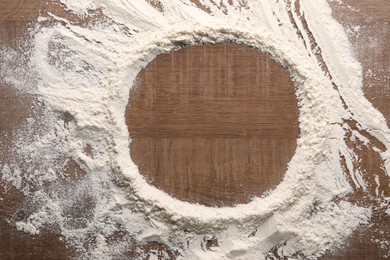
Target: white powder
x: 85, y: 74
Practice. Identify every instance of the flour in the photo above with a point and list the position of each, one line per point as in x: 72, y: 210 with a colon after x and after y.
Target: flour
x: 83, y: 75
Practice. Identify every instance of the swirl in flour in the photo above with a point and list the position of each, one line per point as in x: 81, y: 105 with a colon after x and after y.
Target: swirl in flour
x: 87, y: 72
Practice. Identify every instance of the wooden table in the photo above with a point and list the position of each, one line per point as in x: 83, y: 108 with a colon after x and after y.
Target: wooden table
x: 248, y: 133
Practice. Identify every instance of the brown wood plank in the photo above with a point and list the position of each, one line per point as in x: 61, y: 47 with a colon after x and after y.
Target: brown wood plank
x: 372, y: 48
x: 213, y: 124
x: 371, y: 44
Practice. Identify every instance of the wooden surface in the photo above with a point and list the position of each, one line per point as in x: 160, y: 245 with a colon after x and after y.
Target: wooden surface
x: 213, y: 142
x: 214, y: 124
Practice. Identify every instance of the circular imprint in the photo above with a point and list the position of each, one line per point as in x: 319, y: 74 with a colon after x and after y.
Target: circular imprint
x: 298, y: 179
x: 213, y: 124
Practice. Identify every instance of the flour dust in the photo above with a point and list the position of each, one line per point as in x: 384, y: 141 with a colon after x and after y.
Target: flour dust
x: 72, y: 165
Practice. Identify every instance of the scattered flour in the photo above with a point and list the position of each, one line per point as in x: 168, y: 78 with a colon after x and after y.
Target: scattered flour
x: 83, y: 75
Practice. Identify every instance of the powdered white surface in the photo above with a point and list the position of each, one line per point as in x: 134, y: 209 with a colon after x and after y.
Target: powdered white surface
x: 85, y: 73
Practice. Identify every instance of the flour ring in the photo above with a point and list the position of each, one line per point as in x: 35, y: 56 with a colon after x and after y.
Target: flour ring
x: 160, y: 206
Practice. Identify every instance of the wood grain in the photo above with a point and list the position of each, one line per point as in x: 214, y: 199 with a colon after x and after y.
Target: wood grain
x: 214, y: 124
x: 372, y: 48
x: 368, y: 23
x: 15, y: 108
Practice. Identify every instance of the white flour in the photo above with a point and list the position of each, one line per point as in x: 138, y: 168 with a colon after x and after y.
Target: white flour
x: 83, y: 74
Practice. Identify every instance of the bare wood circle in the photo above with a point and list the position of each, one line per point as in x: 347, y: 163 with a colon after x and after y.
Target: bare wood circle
x: 213, y: 124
